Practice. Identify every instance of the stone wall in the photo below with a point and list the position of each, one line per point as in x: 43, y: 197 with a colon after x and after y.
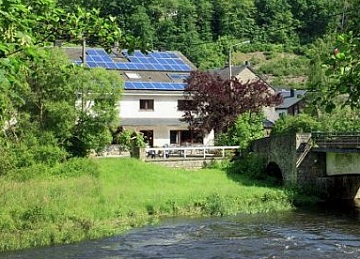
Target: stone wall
x: 183, y: 163
x: 311, y: 168
x: 280, y: 150
x: 345, y: 187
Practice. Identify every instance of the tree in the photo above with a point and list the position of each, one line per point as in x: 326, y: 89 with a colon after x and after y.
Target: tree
x: 217, y: 103
x: 295, y: 124
x: 25, y: 24
x: 277, y: 21
x: 340, y: 120
x: 342, y: 62
x: 75, y: 105
x: 247, y: 127
x: 343, y: 73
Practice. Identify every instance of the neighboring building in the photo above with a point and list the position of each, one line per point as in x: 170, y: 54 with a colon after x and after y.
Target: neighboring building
x: 245, y: 73
x: 153, y: 92
x: 293, y: 102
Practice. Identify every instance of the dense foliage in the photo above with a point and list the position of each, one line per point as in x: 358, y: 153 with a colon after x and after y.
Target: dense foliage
x: 340, y: 120
x: 50, y: 109
x: 204, y: 29
x: 247, y: 127
x: 216, y: 103
x: 65, y: 110
x: 301, y: 123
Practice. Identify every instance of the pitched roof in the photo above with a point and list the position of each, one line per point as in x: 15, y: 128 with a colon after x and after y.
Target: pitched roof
x: 236, y: 70
x: 225, y: 72
x: 155, y: 70
x: 290, y: 98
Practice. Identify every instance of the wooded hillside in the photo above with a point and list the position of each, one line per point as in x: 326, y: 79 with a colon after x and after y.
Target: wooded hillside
x: 204, y: 30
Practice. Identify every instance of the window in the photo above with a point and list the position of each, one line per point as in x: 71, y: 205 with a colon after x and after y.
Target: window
x: 132, y: 75
x: 184, y: 105
x: 146, y: 104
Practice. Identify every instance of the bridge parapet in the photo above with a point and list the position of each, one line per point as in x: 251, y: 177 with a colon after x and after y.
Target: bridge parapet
x: 348, y: 142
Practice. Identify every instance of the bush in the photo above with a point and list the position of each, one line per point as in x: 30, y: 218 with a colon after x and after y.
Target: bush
x: 250, y: 165
x: 301, y: 123
x: 76, y: 167
x: 49, y: 155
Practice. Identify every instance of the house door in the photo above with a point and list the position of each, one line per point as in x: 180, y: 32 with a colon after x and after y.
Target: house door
x: 148, y: 137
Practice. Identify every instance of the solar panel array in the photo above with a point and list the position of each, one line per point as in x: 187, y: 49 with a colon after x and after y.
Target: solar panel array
x: 154, y: 86
x: 174, y: 76
x: 153, y: 61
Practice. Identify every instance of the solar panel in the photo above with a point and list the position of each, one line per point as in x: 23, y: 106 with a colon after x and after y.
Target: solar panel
x: 91, y: 52
x: 129, y: 85
x: 138, y: 53
x: 152, y: 61
x: 96, y: 52
x: 173, y: 55
x: 91, y: 64
x: 107, y: 59
x: 178, y: 76
x: 154, y: 86
x: 100, y: 52
x: 111, y: 65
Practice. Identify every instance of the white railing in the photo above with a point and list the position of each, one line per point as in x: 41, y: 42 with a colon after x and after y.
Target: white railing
x: 165, y: 152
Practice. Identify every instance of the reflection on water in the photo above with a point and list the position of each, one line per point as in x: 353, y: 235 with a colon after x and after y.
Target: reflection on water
x: 324, y: 233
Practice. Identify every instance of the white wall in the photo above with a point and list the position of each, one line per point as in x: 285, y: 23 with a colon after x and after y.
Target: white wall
x: 165, y: 106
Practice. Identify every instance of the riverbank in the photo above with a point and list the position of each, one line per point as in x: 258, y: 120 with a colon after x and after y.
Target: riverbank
x: 124, y: 193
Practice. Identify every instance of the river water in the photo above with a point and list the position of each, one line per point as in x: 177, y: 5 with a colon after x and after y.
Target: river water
x: 320, y: 233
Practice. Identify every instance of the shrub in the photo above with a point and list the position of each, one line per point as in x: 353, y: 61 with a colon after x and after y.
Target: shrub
x: 250, y: 165
x: 76, y: 167
x: 49, y: 155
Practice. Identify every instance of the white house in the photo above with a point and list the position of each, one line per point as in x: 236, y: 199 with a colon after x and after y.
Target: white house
x: 153, y: 92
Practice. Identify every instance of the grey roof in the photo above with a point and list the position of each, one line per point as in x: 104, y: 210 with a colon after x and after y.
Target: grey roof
x: 268, y: 124
x: 225, y: 71
x: 151, y: 122
x: 291, y: 100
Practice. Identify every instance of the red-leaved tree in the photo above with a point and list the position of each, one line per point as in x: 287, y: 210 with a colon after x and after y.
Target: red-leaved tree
x: 215, y: 103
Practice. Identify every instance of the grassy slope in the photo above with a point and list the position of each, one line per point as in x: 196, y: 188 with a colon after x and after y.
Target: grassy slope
x: 127, y: 193
x: 281, y: 69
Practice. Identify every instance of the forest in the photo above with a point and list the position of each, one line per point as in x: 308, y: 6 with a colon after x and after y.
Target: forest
x: 204, y: 29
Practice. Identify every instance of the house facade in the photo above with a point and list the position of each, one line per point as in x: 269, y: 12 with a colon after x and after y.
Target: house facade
x: 152, y: 95
x: 293, y: 104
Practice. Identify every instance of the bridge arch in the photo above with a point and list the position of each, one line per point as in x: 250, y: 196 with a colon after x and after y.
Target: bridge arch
x: 273, y: 170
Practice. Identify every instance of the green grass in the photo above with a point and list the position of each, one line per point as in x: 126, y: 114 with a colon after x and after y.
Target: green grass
x: 126, y: 193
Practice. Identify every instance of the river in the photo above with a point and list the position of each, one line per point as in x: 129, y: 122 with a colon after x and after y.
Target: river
x: 320, y: 233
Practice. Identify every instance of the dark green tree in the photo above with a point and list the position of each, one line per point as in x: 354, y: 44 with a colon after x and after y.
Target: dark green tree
x: 276, y: 21
x: 248, y: 127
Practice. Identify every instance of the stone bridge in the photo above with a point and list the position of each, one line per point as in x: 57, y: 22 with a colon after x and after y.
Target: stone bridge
x: 328, y: 163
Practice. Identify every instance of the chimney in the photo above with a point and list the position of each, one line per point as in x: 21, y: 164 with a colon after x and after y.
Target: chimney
x: 292, y: 92
x: 247, y: 63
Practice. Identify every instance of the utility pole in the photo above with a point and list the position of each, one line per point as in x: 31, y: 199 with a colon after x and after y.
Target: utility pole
x: 230, y: 49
